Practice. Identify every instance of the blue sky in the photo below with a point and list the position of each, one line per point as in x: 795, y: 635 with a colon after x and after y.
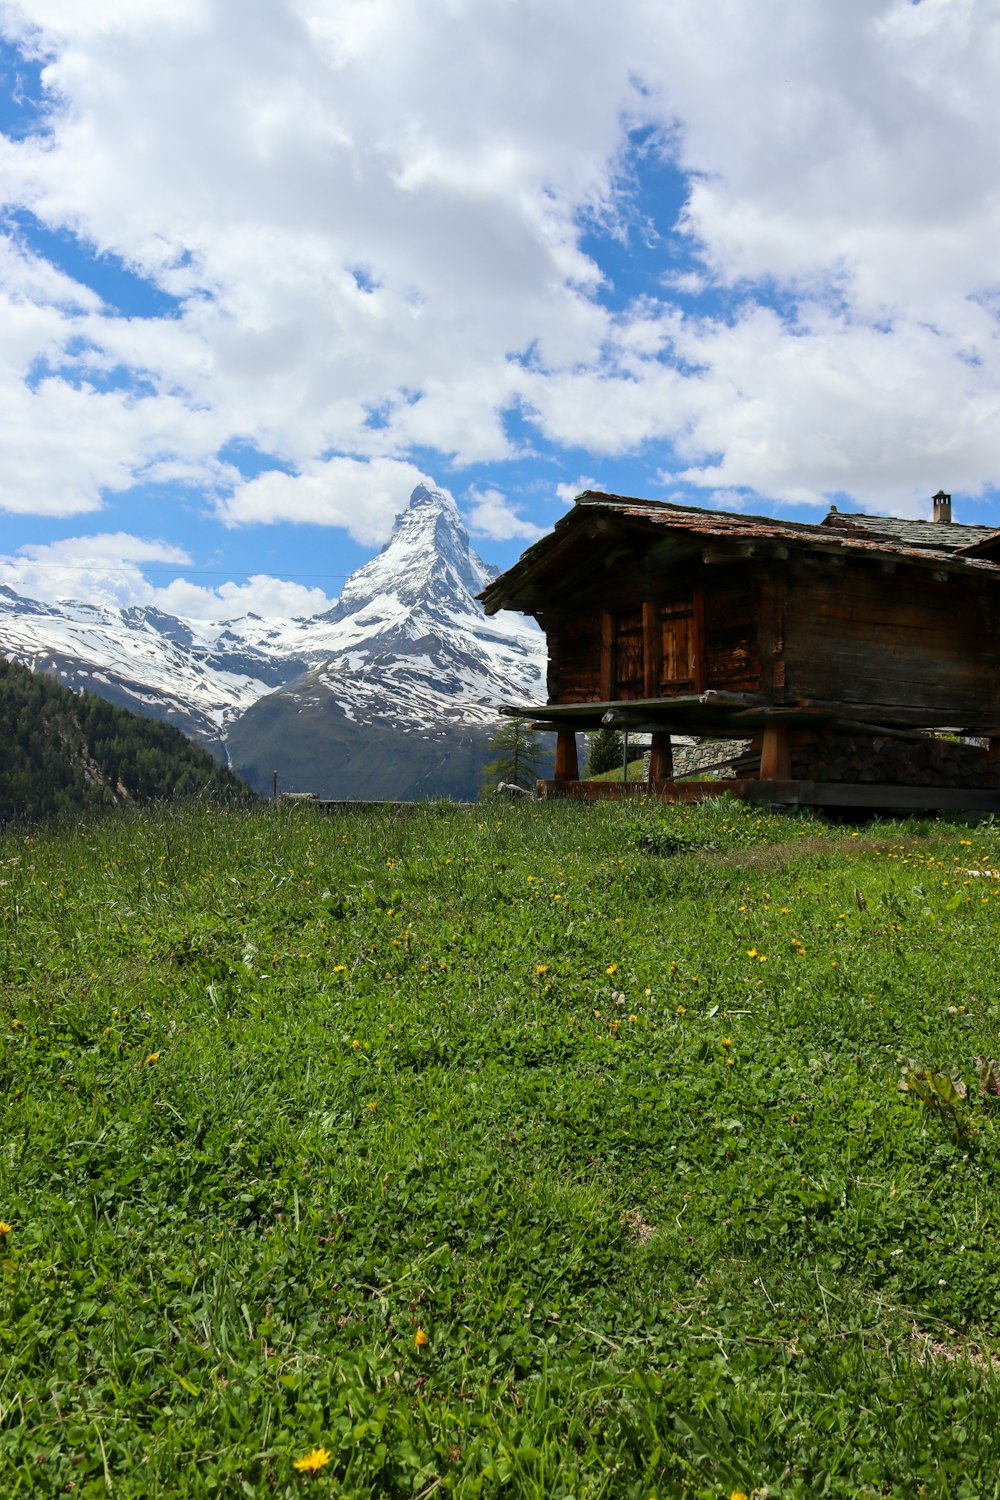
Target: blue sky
x: 264, y: 268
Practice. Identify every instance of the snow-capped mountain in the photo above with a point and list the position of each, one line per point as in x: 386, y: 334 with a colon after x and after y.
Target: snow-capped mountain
x: 406, y: 651
x: 407, y: 642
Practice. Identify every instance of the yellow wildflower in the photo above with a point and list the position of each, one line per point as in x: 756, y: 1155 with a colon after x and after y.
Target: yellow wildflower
x: 153, y: 1057
x: 313, y: 1461
x: 420, y: 1339
x: 611, y: 969
x: 541, y: 968
x: 5, y: 1228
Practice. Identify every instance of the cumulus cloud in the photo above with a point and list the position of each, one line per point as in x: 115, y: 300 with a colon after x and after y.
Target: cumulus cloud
x: 381, y: 223
x: 105, y: 568
x: 567, y: 493
x: 271, y: 598
x: 362, y: 496
x: 114, y: 568
x: 491, y: 514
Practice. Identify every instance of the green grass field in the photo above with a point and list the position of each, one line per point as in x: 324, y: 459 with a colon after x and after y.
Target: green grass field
x: 536, y: 1151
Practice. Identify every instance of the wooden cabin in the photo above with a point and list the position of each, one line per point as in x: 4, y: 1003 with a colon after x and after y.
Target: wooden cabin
x: 836, y: 648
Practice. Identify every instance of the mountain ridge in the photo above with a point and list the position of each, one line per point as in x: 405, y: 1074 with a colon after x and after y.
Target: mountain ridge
x: 406, y: 649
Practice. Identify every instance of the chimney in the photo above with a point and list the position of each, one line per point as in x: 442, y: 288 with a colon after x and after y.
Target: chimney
x: 942, y: 506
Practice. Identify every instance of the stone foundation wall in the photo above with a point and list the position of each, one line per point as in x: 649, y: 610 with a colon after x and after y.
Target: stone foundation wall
x: 831, y: 756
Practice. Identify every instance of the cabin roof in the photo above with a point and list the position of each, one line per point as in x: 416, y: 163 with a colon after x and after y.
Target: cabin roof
x: 929, y: 544
x: 936, y: 536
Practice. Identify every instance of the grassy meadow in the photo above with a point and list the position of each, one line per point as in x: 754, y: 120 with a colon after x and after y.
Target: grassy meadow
x: 535, y: 1151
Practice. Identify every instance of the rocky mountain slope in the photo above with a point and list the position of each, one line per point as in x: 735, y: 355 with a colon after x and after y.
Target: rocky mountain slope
x: 390, y: 693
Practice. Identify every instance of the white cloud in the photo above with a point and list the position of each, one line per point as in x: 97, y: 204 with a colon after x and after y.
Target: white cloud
x: 567, y: 493
x: 491, y: 514
x: 112, y: 567
x: 372, y: 213
x: 271, y: 598
x: 101, y: 569
x: 362, y: 496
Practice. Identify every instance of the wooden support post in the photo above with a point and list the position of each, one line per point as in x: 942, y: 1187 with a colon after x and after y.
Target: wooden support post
x: 776, y: 754
x: 567, y: 766
x: 993, y: 750
x: 661, y: 758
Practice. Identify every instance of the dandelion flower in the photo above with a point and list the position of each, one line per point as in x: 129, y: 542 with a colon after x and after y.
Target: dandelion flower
x: 633, y: 1018
x: 541, y: 968
x: 420, y: 1339
x: 5, y: 1228
x: 153, y: 1057
x: 313, y: 1461
x: 611, y: 969
x: 727, y: 1041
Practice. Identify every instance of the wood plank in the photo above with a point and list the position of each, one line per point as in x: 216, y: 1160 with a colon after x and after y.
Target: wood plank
x: 608, y: 682
x: 698, y: 644
x: 651, y: 645
x: 861, y: 795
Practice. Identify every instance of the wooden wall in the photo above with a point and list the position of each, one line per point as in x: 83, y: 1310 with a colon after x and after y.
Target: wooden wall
x: 676, y: 634
x: 863, y: 632
x: 906, y: 641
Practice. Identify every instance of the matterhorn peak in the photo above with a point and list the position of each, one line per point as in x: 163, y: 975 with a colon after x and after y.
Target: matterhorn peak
x: 428, y: 558
x: 426, y: 496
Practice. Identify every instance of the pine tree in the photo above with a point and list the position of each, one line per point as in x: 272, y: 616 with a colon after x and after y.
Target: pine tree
x: 517, y: 756
x: 604, y: 751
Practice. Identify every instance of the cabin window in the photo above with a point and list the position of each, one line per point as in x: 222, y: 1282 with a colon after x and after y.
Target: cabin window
x: 654, y: 651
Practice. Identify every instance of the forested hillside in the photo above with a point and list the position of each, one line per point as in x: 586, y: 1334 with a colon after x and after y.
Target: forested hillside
x: 64, y: 752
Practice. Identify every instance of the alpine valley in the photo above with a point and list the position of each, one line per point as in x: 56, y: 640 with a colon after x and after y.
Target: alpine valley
x: 392, y: 693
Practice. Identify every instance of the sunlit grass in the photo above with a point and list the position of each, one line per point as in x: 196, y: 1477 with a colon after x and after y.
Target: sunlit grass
x: 546, y: 1150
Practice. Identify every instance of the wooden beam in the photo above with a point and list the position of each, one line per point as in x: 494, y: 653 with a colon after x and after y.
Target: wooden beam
x: 867, y: 795
x: 652, y: 648
x: 567, y: 765
x: 608, y: 673
x: 776, y: 753
x: 661, y: 759
x: 698, y: 625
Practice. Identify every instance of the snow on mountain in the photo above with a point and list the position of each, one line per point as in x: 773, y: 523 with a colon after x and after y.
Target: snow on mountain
x: 407, y: 642
x: 406, y: 645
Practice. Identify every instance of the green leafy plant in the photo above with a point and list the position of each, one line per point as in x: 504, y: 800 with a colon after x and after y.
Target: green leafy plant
x: 942, y: 1093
